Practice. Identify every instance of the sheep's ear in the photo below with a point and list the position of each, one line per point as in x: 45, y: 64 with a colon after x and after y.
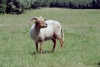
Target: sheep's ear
x: 45, y: 19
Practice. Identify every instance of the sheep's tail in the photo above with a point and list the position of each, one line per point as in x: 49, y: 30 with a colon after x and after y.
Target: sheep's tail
x: 30, y: 21
x: 62, y: 35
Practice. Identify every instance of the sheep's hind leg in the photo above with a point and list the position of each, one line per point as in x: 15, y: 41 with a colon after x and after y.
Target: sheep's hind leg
x: 54, y: 41
x: 61, y: 42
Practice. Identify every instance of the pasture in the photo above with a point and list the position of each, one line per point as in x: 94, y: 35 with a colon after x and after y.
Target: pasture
x: 81, y: 47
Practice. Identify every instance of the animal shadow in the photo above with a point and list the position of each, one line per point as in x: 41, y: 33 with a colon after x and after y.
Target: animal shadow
x: 99, y: 64
x: 44, y: 52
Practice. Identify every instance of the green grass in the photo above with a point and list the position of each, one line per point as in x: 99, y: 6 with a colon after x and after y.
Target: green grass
x: 82, y: 39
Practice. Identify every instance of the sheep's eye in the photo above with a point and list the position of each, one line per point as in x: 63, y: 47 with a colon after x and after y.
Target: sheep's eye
x: 38, y: 21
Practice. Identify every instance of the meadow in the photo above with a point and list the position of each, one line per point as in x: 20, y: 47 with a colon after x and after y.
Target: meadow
x: 82, y: 39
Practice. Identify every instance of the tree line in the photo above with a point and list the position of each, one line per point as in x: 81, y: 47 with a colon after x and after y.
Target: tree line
x: 18, y: 6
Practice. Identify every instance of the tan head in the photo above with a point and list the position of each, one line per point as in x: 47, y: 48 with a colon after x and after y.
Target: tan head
x: 39, y: 21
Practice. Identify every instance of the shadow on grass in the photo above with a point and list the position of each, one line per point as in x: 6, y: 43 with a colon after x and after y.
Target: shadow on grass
x: 99, y: 64
x: 44, y: 52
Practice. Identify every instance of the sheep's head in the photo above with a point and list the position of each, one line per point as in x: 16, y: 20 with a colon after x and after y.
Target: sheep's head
x: 40, y: 22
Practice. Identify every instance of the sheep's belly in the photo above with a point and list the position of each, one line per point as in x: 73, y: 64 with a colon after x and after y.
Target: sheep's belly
x: 47, y: 38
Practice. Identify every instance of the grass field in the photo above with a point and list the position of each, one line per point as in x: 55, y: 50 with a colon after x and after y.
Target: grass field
x: 81, y: 47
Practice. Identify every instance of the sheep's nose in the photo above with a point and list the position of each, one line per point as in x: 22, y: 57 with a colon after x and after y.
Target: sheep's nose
x: 45, y: 25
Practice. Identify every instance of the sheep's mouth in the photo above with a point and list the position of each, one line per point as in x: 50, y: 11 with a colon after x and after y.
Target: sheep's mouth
x: 44, y: 26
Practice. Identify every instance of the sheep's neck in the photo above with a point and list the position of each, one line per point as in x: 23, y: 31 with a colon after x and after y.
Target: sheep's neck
x: 37, y: 28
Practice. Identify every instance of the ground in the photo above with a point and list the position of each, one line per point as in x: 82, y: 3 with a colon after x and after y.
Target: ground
x: 81, y: 47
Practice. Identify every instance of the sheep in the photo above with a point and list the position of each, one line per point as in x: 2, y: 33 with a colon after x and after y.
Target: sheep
x: 44, y: 30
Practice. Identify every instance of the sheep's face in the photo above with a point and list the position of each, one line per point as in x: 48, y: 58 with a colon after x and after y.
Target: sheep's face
x: 40, y: 22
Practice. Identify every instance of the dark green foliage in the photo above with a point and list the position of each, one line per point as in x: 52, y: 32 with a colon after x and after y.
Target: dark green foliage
x: 2, y: 6
x: 18, y: 6
x: 35, y: 5
x: 75, y: 4
x: 96, y: 4
x: 14, y: 6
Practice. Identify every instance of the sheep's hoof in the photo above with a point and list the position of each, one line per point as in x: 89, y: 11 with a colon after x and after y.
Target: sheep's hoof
x: 52, y: 51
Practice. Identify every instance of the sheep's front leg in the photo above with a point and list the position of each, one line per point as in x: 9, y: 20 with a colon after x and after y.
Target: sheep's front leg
x: 41, y: 44
x: 36, y: 47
